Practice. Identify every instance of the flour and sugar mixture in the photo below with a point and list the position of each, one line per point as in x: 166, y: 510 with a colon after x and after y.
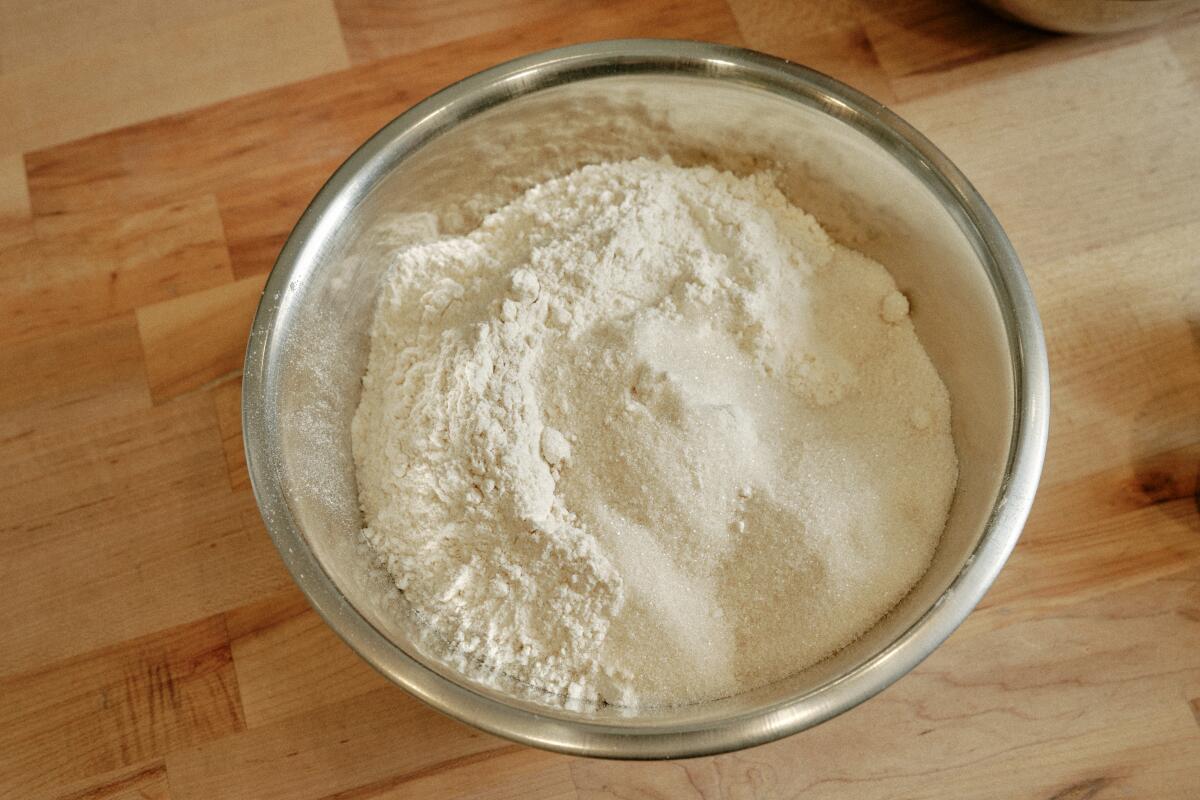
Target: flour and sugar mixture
x: 648, y: 436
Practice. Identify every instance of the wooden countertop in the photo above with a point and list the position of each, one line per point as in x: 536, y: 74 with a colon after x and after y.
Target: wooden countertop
x: 152, y: 161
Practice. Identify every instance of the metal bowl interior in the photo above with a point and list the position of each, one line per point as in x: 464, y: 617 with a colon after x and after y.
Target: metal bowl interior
x: 875, y: 184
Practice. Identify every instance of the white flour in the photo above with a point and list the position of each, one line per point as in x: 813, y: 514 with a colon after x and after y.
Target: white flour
x: 649, y: 436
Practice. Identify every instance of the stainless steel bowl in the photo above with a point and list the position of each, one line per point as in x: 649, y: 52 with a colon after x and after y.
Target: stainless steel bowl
x: 1091, y: 16
x: 875, y: 183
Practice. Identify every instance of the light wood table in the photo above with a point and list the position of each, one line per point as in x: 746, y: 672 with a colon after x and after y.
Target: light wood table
x: 152, y: 161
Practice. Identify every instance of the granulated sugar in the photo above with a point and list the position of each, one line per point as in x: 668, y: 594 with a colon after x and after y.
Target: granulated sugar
x: 648, y: 436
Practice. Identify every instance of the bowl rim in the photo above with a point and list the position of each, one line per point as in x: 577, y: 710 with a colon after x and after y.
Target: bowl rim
x: 538, y: 71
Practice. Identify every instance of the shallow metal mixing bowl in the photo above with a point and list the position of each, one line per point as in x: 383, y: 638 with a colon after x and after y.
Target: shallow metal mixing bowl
x: 874, y: 182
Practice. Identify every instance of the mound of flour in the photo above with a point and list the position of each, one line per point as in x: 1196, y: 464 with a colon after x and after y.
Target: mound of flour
x: 648, y: 436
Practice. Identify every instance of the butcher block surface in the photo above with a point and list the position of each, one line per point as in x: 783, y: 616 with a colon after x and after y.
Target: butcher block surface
x: 153, y: 158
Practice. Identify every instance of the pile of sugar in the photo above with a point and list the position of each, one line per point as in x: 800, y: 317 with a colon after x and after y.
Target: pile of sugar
x: 648, y: 436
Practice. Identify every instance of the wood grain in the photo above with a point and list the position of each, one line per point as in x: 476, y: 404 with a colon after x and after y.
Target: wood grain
x: 1114, y: 114
x: 1185, y: 42
x: 265, y: 611
x: 263, y: 180
x: 14, y: 191
x: 15, y: 208
x: 94, y: 265
x: 828, y: 37
x: 154, y: 156
x: 1121, y: 466
x: 199, y: 338
x: 114, y: 531
x: 227, y: 400
x: 296, y: 665
x: 117, y: 707
x: 924, y: 38
x: 1101, y: 334
x: 507, y: 773
x: 382, y: 735
x: 57, y: 30
x: 1050, y: 50
x: 141, y: 782
x: 83, y: 375
x: 376, y: 29
x: 147, y: 77
x: 1088, y: 695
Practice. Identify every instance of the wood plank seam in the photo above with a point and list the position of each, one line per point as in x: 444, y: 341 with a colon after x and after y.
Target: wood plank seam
x: 366, y: 791
x: 130, y: 523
